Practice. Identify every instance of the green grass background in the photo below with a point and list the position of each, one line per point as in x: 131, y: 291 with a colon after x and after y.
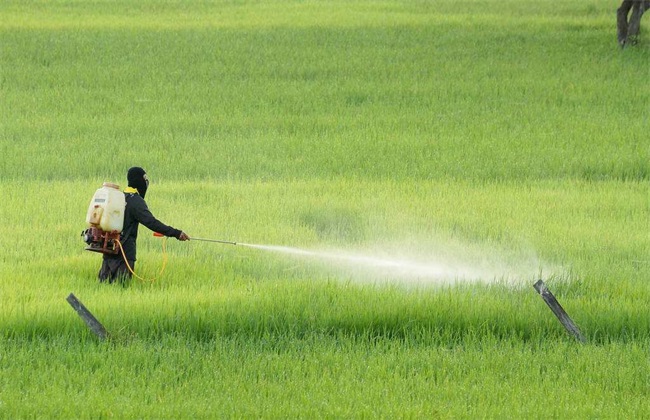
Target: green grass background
x: 502, y: 130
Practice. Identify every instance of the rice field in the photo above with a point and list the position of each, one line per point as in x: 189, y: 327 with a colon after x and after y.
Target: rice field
x: 498, y: 141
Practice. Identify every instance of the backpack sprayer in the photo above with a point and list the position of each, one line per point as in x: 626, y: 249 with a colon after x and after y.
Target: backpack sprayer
x: 105, y: 219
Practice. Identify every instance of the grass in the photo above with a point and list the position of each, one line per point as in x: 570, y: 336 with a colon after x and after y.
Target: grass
x: 501, y: 134
x: 315, y: 376
x: 435, y: 98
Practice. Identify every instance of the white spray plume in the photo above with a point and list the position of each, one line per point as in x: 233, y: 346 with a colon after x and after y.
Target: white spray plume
x: 448, y: 267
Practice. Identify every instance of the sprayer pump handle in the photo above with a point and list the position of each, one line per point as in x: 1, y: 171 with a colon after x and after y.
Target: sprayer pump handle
x: 160, y: 235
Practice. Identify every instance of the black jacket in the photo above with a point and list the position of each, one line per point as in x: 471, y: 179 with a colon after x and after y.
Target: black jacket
x: 137, y: 212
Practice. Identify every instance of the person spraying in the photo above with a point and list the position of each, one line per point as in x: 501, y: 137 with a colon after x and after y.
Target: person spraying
x: 118, y: 266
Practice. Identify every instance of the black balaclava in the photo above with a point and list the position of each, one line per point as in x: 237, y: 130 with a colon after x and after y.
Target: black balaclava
x: 138, y: 180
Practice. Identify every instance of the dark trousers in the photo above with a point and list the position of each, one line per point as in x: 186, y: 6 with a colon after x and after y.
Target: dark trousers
x: 114, y: 268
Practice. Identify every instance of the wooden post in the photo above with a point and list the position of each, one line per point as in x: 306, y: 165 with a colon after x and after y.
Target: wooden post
x: 88, y: 318
x: 558, y: 311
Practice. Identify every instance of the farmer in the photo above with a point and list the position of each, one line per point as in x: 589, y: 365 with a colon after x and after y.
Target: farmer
x: 136, y: 212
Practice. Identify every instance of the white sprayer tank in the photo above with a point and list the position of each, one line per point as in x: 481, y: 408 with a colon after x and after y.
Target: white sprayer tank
x: 106, y: 209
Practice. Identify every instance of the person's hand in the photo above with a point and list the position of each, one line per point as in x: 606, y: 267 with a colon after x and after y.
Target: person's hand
x: 183, y: 237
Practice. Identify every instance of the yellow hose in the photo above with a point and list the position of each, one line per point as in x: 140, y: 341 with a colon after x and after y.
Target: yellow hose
x: 162, y: 269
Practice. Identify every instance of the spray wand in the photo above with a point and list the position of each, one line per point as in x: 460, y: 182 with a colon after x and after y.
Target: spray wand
x: 201, y: 239
x: 212, y: 240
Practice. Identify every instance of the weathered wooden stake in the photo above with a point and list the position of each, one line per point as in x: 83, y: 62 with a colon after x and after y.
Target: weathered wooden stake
x: 88, y: 318
x: 559, y: 312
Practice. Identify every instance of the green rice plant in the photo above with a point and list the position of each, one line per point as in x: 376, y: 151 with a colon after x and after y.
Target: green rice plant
x: 590, y: 258
x: 505, y: 137
x: 261, y: 92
